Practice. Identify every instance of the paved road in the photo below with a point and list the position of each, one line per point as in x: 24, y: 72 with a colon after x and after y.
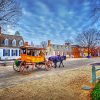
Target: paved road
x: 8, y: 77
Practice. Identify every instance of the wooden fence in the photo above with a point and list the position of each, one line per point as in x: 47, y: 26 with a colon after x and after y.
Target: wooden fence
x: 94, y: 70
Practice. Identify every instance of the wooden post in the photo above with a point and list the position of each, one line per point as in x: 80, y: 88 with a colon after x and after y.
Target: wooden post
x: 93, y: 74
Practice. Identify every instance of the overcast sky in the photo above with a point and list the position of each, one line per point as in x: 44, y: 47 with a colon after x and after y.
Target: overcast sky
x: 56, y: 20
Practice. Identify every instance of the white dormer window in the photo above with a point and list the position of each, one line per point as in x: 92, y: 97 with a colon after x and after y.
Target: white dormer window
x: 14, y: 42
x: 21, y: 43
x: 6, y: 42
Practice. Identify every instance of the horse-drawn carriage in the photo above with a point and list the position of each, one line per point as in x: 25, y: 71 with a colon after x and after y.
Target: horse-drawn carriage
x: 31, y: 57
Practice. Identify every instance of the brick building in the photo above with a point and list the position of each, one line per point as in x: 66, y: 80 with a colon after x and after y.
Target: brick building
x: 75, y: 51
x: 82, y: 52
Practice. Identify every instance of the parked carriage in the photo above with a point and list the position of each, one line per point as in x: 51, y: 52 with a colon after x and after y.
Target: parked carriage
x: 31, y: 57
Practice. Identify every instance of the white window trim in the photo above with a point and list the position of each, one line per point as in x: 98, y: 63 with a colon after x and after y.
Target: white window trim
x: 21, y: 43
x: 14, y: 42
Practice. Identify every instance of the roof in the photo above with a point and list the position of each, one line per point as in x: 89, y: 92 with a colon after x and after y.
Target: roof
x: 10, y: 39
x: 11, y: 36
x: 75, y: 46
x: 32, y: 48
x: 58, y: 47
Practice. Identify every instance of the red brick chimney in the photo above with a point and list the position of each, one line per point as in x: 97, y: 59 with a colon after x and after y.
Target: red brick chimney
x: 26, y: 44
x: 49, y: 43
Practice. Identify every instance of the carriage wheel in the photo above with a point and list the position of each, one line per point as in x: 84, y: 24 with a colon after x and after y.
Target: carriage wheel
x: 48, y: 65
x: 33, y: 65
x: 24, y: 68
x: 39, y: 66
x: 51, y: 63
x: 16, y: 68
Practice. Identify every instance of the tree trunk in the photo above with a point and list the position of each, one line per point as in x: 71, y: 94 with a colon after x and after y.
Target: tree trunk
x: 88, y: 51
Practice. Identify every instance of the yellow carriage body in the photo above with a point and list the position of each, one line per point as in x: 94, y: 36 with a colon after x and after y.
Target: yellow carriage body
x: 32, y: 58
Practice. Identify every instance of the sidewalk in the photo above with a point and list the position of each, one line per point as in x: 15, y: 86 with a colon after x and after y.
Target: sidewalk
x: 7, y: 62
x: 72, y: 59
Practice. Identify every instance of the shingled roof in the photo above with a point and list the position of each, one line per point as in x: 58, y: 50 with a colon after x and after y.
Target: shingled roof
x: 10, y: 38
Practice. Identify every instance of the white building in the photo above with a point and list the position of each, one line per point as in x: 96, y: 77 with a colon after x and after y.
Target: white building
x: 56, y: 49
x: 9, y: 46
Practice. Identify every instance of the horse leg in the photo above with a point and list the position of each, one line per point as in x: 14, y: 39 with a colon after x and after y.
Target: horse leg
x: 62, y: 63
x: 55, y: 64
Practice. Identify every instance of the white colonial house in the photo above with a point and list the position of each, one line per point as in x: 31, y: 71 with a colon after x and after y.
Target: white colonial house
x: 56, y: 49
x: 9, y: 46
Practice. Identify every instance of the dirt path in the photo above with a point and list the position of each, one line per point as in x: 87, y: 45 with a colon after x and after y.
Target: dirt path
x: 9, y: 77
x: 65, y: 85
x: 57, y: 84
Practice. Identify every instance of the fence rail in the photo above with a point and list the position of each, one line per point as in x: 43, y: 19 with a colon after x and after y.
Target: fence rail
x: 94, y: 70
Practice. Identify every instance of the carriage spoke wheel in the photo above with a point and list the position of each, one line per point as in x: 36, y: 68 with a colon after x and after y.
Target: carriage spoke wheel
x: 16, y: 68
x: 51, y: 64
x: 48, y: 66
x: 24, y: 68
x: 33, y: 66
x: 39, y: 66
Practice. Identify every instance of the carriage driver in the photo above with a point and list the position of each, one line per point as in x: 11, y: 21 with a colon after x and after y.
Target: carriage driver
x: 41, y: 53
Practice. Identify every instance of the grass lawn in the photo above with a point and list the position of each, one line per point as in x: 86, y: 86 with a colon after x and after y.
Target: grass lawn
x: 96, y: 92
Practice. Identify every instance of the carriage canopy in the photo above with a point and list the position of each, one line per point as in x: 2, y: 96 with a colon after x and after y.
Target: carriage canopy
x: 32, y: 54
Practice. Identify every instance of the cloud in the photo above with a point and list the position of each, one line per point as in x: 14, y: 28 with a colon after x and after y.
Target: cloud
x: 10, y: 30
x: 54, y: 19
x: 86, y: 3
x: 26, y: 13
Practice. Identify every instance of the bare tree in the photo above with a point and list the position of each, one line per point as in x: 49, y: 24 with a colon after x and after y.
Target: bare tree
x: 10, y: 11
x: 69, y: 41
x: 44, y: 44
x: 88, y: 39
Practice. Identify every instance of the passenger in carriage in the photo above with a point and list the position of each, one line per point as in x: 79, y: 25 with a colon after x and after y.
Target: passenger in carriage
x: 33, y: 53
x: 29, y: 52
x: 41, y: 53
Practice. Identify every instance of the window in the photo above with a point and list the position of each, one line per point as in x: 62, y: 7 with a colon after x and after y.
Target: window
x: 20, y: 43
x: 14, y: 53
x: 23, y: 51
x: 19, y: 52
x: 28, y: 52
x: 6, y: 52
x: 3, y: 42
x: 67, y: 48
x: 6, y: 42
x: 14, y: 42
